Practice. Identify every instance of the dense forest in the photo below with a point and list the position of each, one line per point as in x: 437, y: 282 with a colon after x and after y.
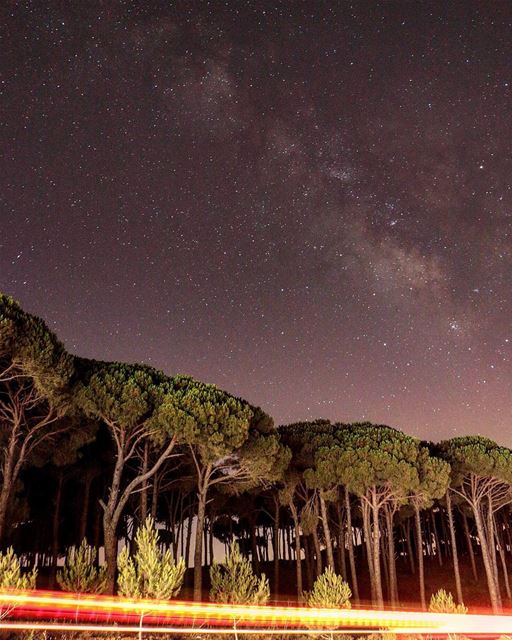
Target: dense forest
x: 90, y: 449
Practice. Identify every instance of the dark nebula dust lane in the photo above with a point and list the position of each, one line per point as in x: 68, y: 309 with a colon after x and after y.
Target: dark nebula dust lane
x: 308, y: 204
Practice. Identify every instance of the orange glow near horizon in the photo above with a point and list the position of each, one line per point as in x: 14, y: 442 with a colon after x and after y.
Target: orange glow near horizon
x: 99, y: 613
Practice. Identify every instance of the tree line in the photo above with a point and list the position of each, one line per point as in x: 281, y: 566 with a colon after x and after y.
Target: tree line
x: 90, y: 449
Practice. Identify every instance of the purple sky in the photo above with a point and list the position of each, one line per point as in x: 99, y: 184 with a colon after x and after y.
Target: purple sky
x: 307, y: 203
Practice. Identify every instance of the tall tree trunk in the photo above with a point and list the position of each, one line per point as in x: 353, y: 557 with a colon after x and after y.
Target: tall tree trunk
x: 154, y: 496
x: 5, y: 494
x: 190, y: 520
x: 444, y: 533
x: 275, y: 541
x: 110, y: 544
x: 198, y: 556
x: 210, y: 541
x: 501, y: 551
x: 56, y: 527
x: 310, y: 572
x: 436, y: 538
x: 298, y: 560
x: 144, y: 489
x: 327, y: 531
x: 96, y: 532
x: 486, y: 557
x: 410, y: 553
x: 379, y: 597
x: 254, y: 544
x: 318, y: 552
x: 384, y: 562
x: 350, y: 544
x: 419, y: 549
x: 85, y: 506
x: 391, y: 557
x: 365, y: 509
x: 117, y: 499
x: 491, y: 542
x: 453, y: 540
x: 8, y: 481
x: 340, y: 543
x: 205, y: 543
x: 469, y: 545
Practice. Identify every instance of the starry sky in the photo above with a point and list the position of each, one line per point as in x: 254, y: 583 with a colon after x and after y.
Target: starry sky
x: 306, y: 203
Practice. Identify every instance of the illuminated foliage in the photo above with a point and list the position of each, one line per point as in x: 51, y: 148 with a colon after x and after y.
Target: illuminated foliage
x: 150, y: 573
x: 80, y: 573
x: 11, y: 575
x: 329, y: 591
x: 234, y: 581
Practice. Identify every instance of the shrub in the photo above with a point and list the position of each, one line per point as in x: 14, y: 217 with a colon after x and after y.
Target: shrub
x: 80, y: 573
x: 11, y: 576
x: 329, y: 591
x: 234, y: 581
x: 151, y: 573
x: 442, y: 602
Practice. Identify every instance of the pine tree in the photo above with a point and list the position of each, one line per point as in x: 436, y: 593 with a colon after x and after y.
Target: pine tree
x: 329, y: 591
x: 234, y: 581
x: 151, y: 573
x: 80, y: 573
x: 11, y: 576
x: 442, y: 602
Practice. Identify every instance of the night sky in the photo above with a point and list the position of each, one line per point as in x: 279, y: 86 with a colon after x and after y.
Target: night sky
x: 306, y: 203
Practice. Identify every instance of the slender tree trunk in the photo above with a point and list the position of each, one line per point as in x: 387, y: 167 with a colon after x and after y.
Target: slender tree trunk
x: 391, y: 558
x: 117, y: 499
x: 56, y: 527
x: 419, y: 549
x: 210, y: 541
x: 205, y: 543
x: 501, y: 551
x: 275, y: 541
x: 298, y: 560
x: 310, y: 571
x: 350, y: 544
x: 154, y: 496
x: 189, y: 536
x: 410, y: 552
x: 110, y: 544
x: 340, y: 543
x: 365, y: 508
x: 444, y: 533
x: 379, y: 597
x: 491, y: 542
x: 318, y: 552
x: 254, y: 544
x: 453, y: 540
x: 342, y: 559
x: 436, y: 538
x: 96, y: 533
x: 85, y: 506
x: 327, y: 531
x: 384, y: 562
x: 198, y: 557
x: 507, y: 523
x: 5, y: 493
x: 144, y: 489
x: 489, y: 569
x: 469, y: 545
x: 8, y: 480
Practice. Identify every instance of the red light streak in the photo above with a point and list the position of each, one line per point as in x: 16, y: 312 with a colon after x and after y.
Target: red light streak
x: 101, y: 613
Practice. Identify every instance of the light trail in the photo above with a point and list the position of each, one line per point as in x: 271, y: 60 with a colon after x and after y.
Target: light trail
x: 51, y: 626
x: 101, y: 613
